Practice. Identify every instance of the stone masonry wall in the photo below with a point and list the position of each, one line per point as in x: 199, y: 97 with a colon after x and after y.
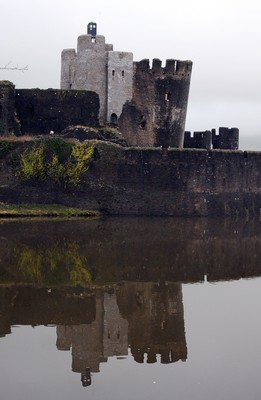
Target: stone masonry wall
x: 154, y: 182
x: 42, y: 111
x: 119, y: 80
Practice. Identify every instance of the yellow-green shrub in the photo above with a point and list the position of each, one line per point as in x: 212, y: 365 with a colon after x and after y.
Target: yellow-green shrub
x: 56, y: 160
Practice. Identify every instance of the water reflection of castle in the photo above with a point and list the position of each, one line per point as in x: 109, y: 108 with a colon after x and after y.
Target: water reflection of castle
x: 146, y: 317
x: 143, y: 317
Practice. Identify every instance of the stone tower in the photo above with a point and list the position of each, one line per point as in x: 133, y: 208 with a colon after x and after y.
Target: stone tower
x: 157, y: 113
x: 96, y: 67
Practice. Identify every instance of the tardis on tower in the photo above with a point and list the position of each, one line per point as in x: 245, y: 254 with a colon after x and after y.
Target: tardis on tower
x: 92, y: 29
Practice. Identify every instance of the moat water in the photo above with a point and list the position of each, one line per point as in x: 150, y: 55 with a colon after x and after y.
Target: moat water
x: 131, y: 308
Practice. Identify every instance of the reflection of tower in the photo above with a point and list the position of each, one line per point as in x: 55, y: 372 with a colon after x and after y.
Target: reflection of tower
x: 92, y: 343
x: 147, y: 316
x: 156, y: 321
x: 85, y: 341
x: 115, y: 337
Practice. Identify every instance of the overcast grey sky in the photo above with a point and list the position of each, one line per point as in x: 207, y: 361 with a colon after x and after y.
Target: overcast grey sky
x: 221, y: 37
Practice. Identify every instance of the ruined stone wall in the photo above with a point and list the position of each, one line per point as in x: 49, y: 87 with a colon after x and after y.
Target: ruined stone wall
x: 157, y: 113
x: 225, y: 139
x: 42, y: 111
x: 8, y: 119
x: 153, y: 182
x: 198, y: 140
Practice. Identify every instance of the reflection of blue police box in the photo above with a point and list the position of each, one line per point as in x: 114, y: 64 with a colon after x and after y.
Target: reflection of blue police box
x: 92, y: 29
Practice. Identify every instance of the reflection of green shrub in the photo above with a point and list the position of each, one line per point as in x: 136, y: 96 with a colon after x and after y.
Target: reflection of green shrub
x: 59, y: 263
x: 54, y: 159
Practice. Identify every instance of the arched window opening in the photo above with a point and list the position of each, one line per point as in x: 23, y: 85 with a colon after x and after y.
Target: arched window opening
x: 114, y: 119
x: 142, y: 122
x: 122, y: 74
x: 113, y: 73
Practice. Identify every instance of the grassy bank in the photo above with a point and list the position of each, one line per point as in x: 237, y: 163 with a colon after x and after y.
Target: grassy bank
x: 43, y: 210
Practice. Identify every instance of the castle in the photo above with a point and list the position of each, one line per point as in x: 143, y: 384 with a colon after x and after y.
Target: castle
x: 100, y: 86
x: 147, y: 104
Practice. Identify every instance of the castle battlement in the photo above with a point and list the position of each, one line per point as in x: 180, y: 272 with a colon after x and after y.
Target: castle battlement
x: 172, y: 68
x: 225, y: 138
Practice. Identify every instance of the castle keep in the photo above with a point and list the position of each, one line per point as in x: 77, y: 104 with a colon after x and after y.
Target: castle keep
x: 96, y: 67
x: 150, y: 103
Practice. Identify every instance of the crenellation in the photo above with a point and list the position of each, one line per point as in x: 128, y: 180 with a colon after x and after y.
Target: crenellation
x: 142, y: 66
x: 156, y: 65
x: 225, y: 138
x: 170, y: 67
x: 184, y: 67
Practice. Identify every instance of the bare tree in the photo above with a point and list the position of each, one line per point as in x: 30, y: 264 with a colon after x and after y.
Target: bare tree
x: 9, y: 66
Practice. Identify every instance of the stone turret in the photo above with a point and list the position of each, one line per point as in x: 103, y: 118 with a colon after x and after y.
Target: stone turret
x: 157, y: 113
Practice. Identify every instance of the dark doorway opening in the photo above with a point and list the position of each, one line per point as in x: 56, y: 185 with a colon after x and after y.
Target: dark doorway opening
x: 114, y: 119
